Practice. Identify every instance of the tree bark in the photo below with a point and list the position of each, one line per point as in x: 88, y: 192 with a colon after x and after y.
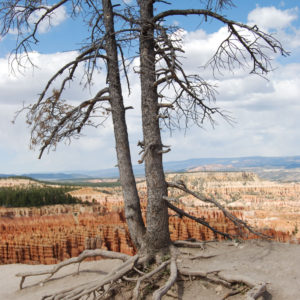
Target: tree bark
x: 131, y: 199
x: 157, y: 232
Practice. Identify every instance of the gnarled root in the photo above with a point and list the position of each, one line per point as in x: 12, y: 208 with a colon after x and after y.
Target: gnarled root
x: 136, y: 291
x: 96, y: 287
x: 100, y: 289
x: 84, y: 255
x: 172, y: 279
x: 256, y: 289
x: 129, y: 271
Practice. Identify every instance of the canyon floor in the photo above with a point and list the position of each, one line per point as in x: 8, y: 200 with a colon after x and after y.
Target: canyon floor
x: 277, y: 264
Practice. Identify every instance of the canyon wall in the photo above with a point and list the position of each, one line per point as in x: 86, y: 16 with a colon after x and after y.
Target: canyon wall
x: 48, y: 239
x: 51, y: 234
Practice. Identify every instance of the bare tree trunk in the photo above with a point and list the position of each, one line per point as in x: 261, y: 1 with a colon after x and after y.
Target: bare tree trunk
x: 157, y: 232
x: 132, y: 202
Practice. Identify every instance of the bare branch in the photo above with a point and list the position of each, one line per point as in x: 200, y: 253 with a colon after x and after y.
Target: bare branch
x: 54, y: 121
x: 165, y: 105
x: 256, y: 46
x: 164, y: 151
x: 198, y: 220
x: 238, y: 222
x: 192, y: 94
x: 16, y: 15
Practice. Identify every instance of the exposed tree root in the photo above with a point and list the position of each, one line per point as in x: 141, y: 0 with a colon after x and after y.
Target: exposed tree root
x: 172, y: 279
x: 96, y: 287
x: 203, y: 256
x: 235, y: 292
x: 189, y: 244
x: 256, y: 288
x: 255, y: 291
x: 129, y: 272
x: 136, y: 291
x: 84, y: 255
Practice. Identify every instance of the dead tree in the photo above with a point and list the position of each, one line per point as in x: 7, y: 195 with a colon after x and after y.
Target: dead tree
x: 115, y: 30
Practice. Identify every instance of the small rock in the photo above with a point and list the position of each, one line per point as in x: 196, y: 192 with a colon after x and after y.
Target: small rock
x: 219, y: 289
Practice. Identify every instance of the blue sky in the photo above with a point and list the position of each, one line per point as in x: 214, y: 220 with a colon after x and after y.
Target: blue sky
x: 266, y: 112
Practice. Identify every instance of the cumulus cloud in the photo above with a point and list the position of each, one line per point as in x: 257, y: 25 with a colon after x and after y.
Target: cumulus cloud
x: 16, y: 88
x: 26, y: 85
x: 266, y: 119
x: 266, y: 112
x: 54, y: 19
x: 269, y: 18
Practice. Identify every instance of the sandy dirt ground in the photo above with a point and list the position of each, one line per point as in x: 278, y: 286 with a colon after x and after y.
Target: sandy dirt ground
x: 276, y: 264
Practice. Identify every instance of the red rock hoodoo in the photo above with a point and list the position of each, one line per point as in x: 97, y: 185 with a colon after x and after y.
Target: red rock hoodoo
x: 51, y: 234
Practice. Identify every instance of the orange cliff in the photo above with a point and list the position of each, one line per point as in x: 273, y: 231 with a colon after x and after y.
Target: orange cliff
x: 48, y: 239
x: 51, y: 234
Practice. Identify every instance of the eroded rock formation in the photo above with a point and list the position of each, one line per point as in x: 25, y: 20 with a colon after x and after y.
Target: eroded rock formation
x: 50, y: 239
x: 51, y: 234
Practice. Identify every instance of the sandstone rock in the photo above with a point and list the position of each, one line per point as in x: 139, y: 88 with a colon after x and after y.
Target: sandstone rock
x: 51, y: 234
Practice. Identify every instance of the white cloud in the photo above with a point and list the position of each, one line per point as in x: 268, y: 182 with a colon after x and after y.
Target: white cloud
x: 200, y: 46
x: 25, y: 86
x: 14, y: 89
x: 266, y: 119
x: 266, y: 113
x: 268, y: 18
x: 279, y: 22
x: 54, y: 19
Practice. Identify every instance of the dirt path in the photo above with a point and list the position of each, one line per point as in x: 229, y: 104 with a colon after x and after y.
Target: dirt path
x: 274, y: 263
